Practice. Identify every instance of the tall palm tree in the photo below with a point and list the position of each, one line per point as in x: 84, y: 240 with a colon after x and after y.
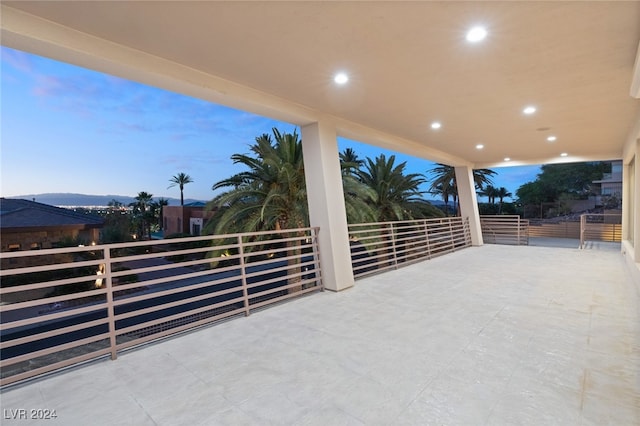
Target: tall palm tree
x: 397, y: 195
x: 445, y: 192
x: 143, y: 200
x: 502, y: 193
x: 141, y: 212
x: 162, y: 202
x: 444, y: 179
x: 270, y: 195
x: 490, y: 192
x: 349, y: 161
x: 181, y: 179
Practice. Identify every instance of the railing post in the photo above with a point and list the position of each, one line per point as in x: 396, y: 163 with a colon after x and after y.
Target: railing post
x: 243, y: 277
x: 111, y: 315
x: 518, y: 230
x: 315, y: 235
x: 582, y: 226
x: 426, y: 238
x: 393, y: 246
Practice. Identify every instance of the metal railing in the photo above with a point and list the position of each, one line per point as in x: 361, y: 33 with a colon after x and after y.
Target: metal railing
x: 564, y: 229
x: 376, y: 247
x: 600, y: 227
x: 507, y: 229
x: 64, y: 306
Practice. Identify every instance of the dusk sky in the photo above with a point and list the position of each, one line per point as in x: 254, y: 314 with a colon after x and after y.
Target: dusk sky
x: 72, y: 130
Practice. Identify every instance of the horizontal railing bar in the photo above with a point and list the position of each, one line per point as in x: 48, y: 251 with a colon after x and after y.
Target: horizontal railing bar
x: 150, y: 286
x: 51, y: 251
x: 48, y: 317
x: 178, y: 329
x: 48, y: 351
x: 48, y: 268
x: 181, y: 315
x: 177, y: 290
x: 181, y: 302
x: 50, y: 284
x: 55, y: 366
x: 276, y: 279
x: 53, y: 333
x: 279, y: 269
x: 50, y: 300
x: 284, y: 297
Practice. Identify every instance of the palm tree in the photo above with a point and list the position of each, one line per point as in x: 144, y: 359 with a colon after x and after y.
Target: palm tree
x: 271, y: 195
x: 114, y: 204
x: 141, y: 210
x: 482, y: 178
x: 181, y: 179
x: 502, y: 193
x: 490, y: 192
x: 143, y: 200
x: 444, y: 181
x: 445, y: 192
x: 162, y: 202
x: 397, y: 195
x: 349, y: 161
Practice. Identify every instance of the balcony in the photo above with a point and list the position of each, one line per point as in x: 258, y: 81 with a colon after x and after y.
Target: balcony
x: 486, y: 335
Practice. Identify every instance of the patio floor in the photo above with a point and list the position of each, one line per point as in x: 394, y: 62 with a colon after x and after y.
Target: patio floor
x: 492, y: 335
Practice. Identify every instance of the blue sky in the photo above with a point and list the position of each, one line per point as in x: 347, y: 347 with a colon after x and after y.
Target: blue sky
x: 72, y: 130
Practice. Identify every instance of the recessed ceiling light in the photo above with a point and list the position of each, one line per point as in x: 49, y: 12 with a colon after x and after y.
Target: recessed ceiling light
x: 476, y: 34
x: 507, y: 159
x: 552, y: 138
x: 436, y: 125
x: 564, y: 154
x: 529, y: 110
x: 479, y: 146
x: 341, y: 78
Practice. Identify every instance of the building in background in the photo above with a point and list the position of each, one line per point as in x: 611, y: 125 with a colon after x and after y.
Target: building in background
x: 610, y: 187
x: 28, y: 225
x: 187, y: 219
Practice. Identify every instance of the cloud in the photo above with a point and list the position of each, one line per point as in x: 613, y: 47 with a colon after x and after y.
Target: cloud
x: 16, y: 59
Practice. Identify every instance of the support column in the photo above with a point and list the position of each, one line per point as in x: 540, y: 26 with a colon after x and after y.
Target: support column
x: 469, y: 202
x: 326, y: 203
x: 631, y: 202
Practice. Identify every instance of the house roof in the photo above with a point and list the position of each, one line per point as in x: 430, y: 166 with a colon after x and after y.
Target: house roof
x: 196, y: 204
x: 18, y: 213
x: 408, y: 62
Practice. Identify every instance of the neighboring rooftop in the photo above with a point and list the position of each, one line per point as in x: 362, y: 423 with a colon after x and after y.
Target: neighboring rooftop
x: 17, y: 213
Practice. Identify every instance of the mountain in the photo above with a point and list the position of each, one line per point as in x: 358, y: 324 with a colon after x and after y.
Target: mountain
x: 84, y: 200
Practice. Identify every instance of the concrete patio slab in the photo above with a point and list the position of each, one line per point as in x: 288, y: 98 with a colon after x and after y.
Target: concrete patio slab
x: 489, y: 335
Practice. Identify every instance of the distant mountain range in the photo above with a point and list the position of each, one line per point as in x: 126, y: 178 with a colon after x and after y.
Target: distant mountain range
x: 84, y: 200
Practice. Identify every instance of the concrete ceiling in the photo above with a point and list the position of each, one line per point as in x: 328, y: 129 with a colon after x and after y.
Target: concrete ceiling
x: 409, y: 64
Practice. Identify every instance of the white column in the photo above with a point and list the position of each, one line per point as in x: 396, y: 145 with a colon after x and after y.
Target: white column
x: 627, y: 202
x: 326, y: 203
x: 632, y: 212
x: 469, y: 202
